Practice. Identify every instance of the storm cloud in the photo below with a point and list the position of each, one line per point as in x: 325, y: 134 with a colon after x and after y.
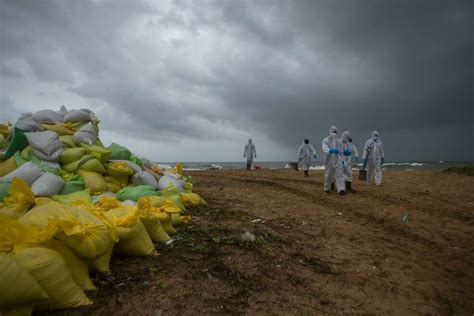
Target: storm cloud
x: 193, y: 80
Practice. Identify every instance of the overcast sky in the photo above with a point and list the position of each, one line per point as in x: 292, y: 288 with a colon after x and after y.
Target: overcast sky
x: 193, y: 80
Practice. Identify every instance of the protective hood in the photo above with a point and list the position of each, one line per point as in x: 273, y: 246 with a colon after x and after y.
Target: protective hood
x: 375, y: 135
x: 332, y: 129
x: 345, y: 137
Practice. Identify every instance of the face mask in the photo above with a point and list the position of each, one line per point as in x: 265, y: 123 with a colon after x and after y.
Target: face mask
x: 375, y: 137
x: 334, y: 134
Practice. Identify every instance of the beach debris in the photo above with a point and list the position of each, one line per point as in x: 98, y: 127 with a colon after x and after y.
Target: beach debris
x: 258, y: 220
x: 339, y: 213
x: 248, y: 236
x: 405, y: 217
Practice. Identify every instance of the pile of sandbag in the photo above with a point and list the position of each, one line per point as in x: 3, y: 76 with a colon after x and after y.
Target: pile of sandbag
x: 68, y: 204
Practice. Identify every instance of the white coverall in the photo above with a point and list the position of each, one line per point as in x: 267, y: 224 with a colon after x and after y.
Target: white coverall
x: 306, y: 152
x: 250, y: 152
x: 333, y: 170
x: 349, y: 151
x: 373, y: 153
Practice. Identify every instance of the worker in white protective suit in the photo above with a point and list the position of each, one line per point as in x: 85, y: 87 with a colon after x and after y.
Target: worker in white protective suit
x: 250, y: 153
x: 333, y: 170
x: 306, y: 153
x: 374, y: 158
x: 349, y: 153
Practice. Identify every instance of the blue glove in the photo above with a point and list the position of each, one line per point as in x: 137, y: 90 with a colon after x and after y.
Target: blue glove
x: 334, y: 151
x: 347, y: 152
x: 382, y: 161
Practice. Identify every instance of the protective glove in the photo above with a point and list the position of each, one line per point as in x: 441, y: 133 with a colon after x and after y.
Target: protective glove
x: 334, y: 151
x: 244, y: 156
x: 382, y: 161
x: 255, y: 156
x: 315, y: 156
x: 347, y: 152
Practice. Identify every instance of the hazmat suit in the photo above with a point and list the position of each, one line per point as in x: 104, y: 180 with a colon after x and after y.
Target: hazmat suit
x: 306, y: 153
x: 374, y: 158
x: 349, y: 153
x: 250, y: 153
x: 333, y: 169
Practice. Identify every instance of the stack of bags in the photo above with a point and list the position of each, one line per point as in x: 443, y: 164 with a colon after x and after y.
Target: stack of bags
x: 67, y: 203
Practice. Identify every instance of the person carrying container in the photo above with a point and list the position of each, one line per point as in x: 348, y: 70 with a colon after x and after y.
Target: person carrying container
x: 306, y: 153
x: 374, y: 158
x: 333, y: 170
x: 349, y: 152
x: 250, y: 152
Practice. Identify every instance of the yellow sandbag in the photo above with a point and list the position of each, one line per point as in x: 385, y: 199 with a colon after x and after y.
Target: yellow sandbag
x: 87, y: 235
x: 47, y: 267
x: 153, y: 226
x: 112, y: 180
x: 133, y: 237
x: 79, y: 267
x: 67, y: 141
x: 106, y: 203
x: 93, y: 181
x: 61, y: 128
x: 102, y: 264
x: 72, y: 154
x: 166, y: 224
x: 191, y: 199
x: 42, y: 200
x: 7, y: 166
x: 113, y: 187
x: 20, y: 200
x: 75, y: 198
x: 120, y: 171
x: 93, y: 165
x: 5, y: 129
x: 25, y: 153
x: 98, y: 151
x: 164, y: 203
x: 177, y: 219
x: 17, y: 285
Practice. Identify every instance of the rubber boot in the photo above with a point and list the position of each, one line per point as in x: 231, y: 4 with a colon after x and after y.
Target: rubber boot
x: 332, y: 187
x: 305, y: 173
x: 349, y: 187
x: 342, y: 192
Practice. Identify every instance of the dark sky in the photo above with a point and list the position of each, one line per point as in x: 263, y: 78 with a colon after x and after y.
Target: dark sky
x: 193, y: 80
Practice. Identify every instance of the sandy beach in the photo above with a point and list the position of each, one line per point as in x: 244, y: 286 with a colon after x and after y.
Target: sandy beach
x: 404, y: 248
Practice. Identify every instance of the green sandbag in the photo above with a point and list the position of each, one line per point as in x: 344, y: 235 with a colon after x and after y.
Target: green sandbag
x: 4, y: 191
x: 136, y: 160
x: 18, y: 142
x: 72, y: 186
x: 174, y: 194
x: 3, y: 142
x: 83, y: 195
x: 19, y: 159
x: 86, y: 163
x: 98, y: 151
x: 119, y: 152
x: 26, y: 152
x: 7, y: 166
x: 67, y: 141
x: 135, y: 193
x: 47, y: 166
x: 72, y: 154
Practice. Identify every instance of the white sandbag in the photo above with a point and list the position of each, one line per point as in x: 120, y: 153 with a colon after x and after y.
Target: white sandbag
x: 28, y: 172
x: 28, y: 123
x: 46, y: 142
x: 47, y: 184
x: 136, y: 168
x: 82, y: 115
x: 88, y: 134
x: 54, y: 157
x: 144, y: 178
x: 167, y: 179
x: 48, y: 117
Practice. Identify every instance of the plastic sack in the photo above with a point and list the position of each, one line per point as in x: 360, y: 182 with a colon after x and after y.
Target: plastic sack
x: 119, y: 152
x: 28, y: 123
x: 47, y: 166
x: 134, y: 166
x: 46, y: 266
x: 133, y: 237
x: 167, y: 179
x: 20, y: 200
x: 28, y: 172
x: 165, y: 220
x: 46, y: 142
x: 72, y: 154
x: 18, y: 142
x: 135, y: 193
x: 101, y: 264
x: 86, y: 163
x: 48, y: 117
x: 113, y: 187
x: 17, y: 285
x: 86, y: 135
x: 120, y: 171
x: 54, y: 157
x: 177, y: 219
x: 93, y: 181
x: 67, y: 141
x: 72, y: 186
x: 144, y: 178
x: 79, y: 197
x: 106, y: 203
x: 79, y: 267
x: 60, y: 129
x: 192, y: 200
x: 26, y: 152
x: 154, y: 229
x: 136, y: 160
x: 47, y: 184
x: 7, y: 166
x: 81, y: 231
x: 82, y: 115
x: 97, y: 151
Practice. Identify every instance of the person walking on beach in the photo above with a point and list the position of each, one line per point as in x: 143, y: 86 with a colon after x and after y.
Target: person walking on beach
x: 250, y: 153
x: 305, y: 153
x: 374, y: 158
x: 333, y: 171
x: 349, y: 152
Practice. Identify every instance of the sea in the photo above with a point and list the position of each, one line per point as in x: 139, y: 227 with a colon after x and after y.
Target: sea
x: 275, y: 165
